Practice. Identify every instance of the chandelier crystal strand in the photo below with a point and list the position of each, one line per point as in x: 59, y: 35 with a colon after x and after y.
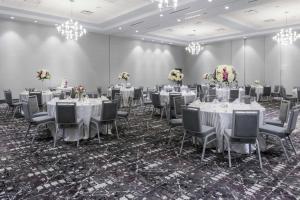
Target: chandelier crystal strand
x: 165, y: 4
x: 194, y: 48
x: 71, y: 29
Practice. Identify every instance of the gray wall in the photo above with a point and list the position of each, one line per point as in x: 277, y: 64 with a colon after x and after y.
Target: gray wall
x: 26, y: 47
x: 257, y: 58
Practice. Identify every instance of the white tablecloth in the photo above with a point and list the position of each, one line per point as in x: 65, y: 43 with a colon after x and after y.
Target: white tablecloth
x: 46, y: 96
x: 84, y: 110
x: 189, y: 97
x: 258, y: 90
x: 64, y: 89
x: 125, y: 94
x: 224, y: 93
x: 295, y: 92
x: 219, y: 115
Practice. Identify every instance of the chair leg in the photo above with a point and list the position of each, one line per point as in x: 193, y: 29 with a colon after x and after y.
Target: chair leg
x: 258, y: 152
x: 229, y: 153
x: 98, y: 132
x: 14, y: 112
x: 117, y: 129
x: 37, y: 131
x: 250, y: 148
x: 28, y: 129
x: 182, y: 142
x: 285, y: 152
x: 292, y: 145
x: 55, y: 137
x: 203, y: 150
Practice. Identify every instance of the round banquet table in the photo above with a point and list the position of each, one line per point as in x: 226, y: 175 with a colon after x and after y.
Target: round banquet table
x: 125, y: 94
x: 224, y: 93
x: 219, y: 115
x: 46, y: 96
x: 84, y: 111
x: 189, y: 97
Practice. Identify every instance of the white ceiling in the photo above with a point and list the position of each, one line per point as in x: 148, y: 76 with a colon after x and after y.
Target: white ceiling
x: 193, y: 20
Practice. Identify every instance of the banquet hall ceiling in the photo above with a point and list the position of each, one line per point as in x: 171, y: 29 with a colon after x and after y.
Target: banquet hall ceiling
x: 193, y: 20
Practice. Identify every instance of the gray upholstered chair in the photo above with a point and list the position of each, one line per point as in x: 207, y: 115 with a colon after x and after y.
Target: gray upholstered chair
x: 114, y: 91
x: 172, y: 95
x: 92, y: 95
x: 245, y: 128
x: 108, y: 116
x: 283, y: 114
x: 13, y: 105
x: 267, y: 92
x: 157, y: 104
x: 35, y: 121
x: 177, y: 122
x: 288, y: 97
x: 39, y: 97
x: 233, y: 95
x: 123, y: 115
x: 252, y: 93
x: 147, y: 100
x: 34, y: 107
x: 247, y: 90
x: 192, y: 126
x: 66, y: 117
x: 211, y: 95
x: 137, y: 96
x: 99, y: 91
x: 283, y: 133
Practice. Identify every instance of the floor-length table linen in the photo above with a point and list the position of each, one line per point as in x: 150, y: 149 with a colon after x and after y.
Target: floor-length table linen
x: 189, y: 97
x: 219, y: 115
x: 84, y: 111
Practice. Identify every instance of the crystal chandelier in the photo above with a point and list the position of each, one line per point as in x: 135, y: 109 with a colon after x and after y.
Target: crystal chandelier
x: 286, y: 36
x: 194, y: 48
x: 165, y: 4
x: 71, y: 30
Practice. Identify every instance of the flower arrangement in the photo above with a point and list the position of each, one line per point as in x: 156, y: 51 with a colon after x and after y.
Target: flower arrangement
x: 175, y: 75
x: 257, y: 82
x: 43, y: 74
x: 79, y: 91
x: 225, y: 74
x: 124, y: 75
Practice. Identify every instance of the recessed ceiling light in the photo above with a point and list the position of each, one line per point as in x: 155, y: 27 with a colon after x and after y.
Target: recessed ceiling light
x: 226, y: 7
x: 12, y: 17
x: 178, y: 20
x: 35, y: 21
x: 143, y: 38
x: 245, y: 37
x: 136, y: 31
x: 120, y: 28
x: 161, y: 15
x: 210, y: 0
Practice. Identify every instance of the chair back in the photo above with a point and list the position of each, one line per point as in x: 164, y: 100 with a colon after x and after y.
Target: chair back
x: 284, y: 110
x: 191, y: 119
x: 171, y: 99
x: 233, y: 94
x: 177, y: 88
x: 267, y: 91
x: 114, y: 91
x: 247, y: 99
x: 137, y: 93
x: 26, y: 111
x: 33, y: 104
x: 212, y: 92
x: 92, y: 95
x: 109, y: 111
x: 292, y: 122
x: 247, y: 90
x: 118, y: 100
x: 99, y: 90
x: 156, y: 100
x: 276, y: 89
x: 8, y: 97
x: 66, y: 113
x: 245, y: 124
x: 73, y: 93
x: 178, y: 104
x: 298, y: 94
x: 253, y: 92
x: 283, y: 92
x: 38, y: 96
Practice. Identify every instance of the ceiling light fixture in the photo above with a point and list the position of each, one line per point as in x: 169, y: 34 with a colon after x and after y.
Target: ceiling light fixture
x: 194, y: 48
x: 210, y: 0
x: 71, y: 29
x: 161, y: 15
x: 226, y: 7
x: 286, y: 36
x: 120, y: 28
x: 12, y: 17
x: 178, y: 20
x: 166, y: 4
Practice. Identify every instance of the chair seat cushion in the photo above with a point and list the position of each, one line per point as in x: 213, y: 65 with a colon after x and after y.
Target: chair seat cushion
x: 274, y: 130
x: 274, y: 122
x: 122, y: 114
x: 176, y: 122
x: 246, y: 140
x: 43, y: 119
x: 17, y: 104
x: 39, y: 114
x: 207, y: 129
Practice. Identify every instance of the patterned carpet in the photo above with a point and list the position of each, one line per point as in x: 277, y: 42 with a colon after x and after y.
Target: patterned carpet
x: 139, y: 166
